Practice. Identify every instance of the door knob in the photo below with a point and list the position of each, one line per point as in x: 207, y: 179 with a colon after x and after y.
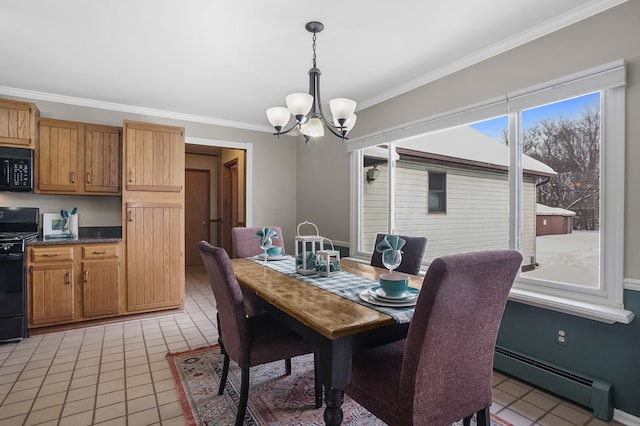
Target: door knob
x: 204, y: 222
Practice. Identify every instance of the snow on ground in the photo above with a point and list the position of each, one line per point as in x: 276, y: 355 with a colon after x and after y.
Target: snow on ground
x: 569, y: 258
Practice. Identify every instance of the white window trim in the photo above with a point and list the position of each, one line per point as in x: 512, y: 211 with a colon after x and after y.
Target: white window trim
x: 604, y: 305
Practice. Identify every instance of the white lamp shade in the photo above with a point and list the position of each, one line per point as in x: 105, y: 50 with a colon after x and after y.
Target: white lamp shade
x: 299, y: 103
x: 342, y: 108
x: 313, y: 128
x: 278, y: 116
x: 348, y: 125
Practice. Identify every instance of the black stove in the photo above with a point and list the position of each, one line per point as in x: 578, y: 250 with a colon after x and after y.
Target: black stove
x: 18, y: 226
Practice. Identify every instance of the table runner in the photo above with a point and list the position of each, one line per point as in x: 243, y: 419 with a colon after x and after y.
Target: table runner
x: 343, y: 284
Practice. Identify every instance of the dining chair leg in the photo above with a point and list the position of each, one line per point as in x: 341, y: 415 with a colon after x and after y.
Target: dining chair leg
x: 225, y: 373
x: 484, y: 417
x: 287, y: 366
x: 244, y: 396
x: 316, y: 380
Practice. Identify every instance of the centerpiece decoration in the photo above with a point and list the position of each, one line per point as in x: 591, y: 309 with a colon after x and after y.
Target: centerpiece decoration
x: 328, y: 261
x: 306, y: 247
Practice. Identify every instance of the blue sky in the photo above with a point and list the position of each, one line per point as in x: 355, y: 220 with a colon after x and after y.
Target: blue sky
x: 569, y: 108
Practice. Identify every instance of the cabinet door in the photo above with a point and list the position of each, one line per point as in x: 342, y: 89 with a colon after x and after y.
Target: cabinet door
x: 58, y: 156
x: 101, y: 288
x: 102, y: 159
x: 17, y: 123
x: 51, y: 292
x: 154, y: 157
x: 155, y: 266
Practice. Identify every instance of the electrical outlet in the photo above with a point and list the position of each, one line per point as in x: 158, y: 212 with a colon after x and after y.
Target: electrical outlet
x: 562, y: 337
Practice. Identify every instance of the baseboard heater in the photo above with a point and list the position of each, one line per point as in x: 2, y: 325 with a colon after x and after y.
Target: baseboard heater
x: 587, y: 391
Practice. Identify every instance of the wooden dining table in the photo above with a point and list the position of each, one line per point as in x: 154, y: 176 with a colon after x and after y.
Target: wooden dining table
x: 335, y: 325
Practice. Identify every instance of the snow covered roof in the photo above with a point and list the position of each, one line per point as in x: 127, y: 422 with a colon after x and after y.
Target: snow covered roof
x: 543, y: 210
x: 471, y: 145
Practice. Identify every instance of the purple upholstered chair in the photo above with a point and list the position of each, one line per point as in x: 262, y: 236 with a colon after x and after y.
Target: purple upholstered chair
x: 248, y: 340
x: 442, y: 371
x: 412, y: 254
x: 244, y: 244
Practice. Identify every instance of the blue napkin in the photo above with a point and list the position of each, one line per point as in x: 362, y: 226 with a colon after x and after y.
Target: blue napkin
x: 311, y: 260
x: 265, y: 235
x: 334, y: 265
x: 390, y: 242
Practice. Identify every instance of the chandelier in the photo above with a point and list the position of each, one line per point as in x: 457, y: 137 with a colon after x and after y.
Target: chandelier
x: 307, y: 107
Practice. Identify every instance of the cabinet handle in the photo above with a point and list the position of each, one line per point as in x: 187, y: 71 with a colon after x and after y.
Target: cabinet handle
x: 130, y: 176
x: 100, y: 252
x: 88, y: 177
x: 130, y: 215
x: 52, y: 254
x: 67, y: 278
x: 73, y: 177
x: 86, y: 276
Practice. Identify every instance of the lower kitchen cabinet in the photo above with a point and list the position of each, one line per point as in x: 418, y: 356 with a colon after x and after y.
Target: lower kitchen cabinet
x: 73, y: 282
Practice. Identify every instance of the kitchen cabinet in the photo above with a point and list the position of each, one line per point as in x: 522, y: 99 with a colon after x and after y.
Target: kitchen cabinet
x: 102, y: 159
x: 78, y: 158
x: 154, y: 157
x: 155, y: 263
x: 73, y: 282
x: 51, y: 285
x: 57, y: 156
x: 100, y: 280
x: 18, y: 124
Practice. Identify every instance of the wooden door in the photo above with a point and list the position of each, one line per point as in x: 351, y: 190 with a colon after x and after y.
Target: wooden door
x: 155, y: 268
x: 229, y: 202
x: 197, y: 214
x: 17, y: 123
x: 154, y: 157
x: 101, y: 288
x: 58, y: 156
x: 102, y: 159
x: 52, y: 293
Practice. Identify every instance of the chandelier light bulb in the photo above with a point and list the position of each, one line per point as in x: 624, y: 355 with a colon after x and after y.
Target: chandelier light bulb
x: 313, y: 128
x: 342, y: 108
x: 299, y: 104
x: 278, y: 117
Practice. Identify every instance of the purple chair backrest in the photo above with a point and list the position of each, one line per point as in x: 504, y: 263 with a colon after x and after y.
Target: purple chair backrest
x: 413, y: 252
x: 229, y: 301
x: 245, y: 245
x: 447, y: 366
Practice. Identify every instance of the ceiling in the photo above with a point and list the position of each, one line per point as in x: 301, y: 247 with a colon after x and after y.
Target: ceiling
x: 225, y: 62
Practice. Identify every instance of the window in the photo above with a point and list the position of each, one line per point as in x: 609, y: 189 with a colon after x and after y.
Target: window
x: 437, y: 202
x: 546, y: 178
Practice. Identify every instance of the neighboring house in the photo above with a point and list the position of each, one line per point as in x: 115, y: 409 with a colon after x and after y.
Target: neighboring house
x: 452, y: 187
x: 553, y: 220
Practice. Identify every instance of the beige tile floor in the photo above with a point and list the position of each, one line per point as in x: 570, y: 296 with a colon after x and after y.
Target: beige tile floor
x: 117, y: 374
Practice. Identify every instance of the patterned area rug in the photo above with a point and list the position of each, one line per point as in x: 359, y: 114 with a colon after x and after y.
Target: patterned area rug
x: 274, y: 398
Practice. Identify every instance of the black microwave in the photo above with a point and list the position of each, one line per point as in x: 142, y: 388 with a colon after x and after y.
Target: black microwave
x: 16, y: 169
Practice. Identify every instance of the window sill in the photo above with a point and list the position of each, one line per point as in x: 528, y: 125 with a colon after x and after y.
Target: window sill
x: 594, y: 311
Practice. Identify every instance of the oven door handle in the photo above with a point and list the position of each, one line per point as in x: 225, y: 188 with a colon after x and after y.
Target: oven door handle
x: 10, y: 257
x: 5, y: 179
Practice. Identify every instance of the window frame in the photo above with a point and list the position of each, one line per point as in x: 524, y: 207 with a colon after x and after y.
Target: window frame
x: 604, y: 304
x: 441, y: 193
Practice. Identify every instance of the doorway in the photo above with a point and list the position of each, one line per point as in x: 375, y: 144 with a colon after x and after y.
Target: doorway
x: 230, y: 186
x: 196, y: 213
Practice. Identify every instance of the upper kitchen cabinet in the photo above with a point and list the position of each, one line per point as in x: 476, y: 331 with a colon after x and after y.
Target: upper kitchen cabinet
x: 78, y: 158
x: 57, y: 168
x: 18, y: 122
x: 154, y: 157
x: 102, y: 159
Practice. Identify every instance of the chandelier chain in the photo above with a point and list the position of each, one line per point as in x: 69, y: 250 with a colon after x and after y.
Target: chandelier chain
x: 314, y: 50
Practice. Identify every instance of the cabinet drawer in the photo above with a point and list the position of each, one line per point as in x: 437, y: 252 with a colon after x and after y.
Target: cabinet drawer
x: 100, y: 251
x: 51, y: 254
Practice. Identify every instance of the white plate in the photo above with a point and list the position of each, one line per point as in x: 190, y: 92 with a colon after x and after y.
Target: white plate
x: 364, y: 295
x: 269, y: 258
x: 410, y: 294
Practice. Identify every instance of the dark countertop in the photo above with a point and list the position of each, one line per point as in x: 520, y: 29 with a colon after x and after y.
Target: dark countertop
x: 86, y: 235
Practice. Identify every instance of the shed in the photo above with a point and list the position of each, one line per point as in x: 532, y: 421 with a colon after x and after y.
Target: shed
x: 553, y: 220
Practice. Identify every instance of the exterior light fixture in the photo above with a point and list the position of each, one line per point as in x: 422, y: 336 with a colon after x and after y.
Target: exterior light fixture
x: 372, y: 174
x: 306, y: 108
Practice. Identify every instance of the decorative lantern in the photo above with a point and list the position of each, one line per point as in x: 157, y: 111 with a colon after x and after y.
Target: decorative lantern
x: 328, y: 261
x: 306, y: 246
